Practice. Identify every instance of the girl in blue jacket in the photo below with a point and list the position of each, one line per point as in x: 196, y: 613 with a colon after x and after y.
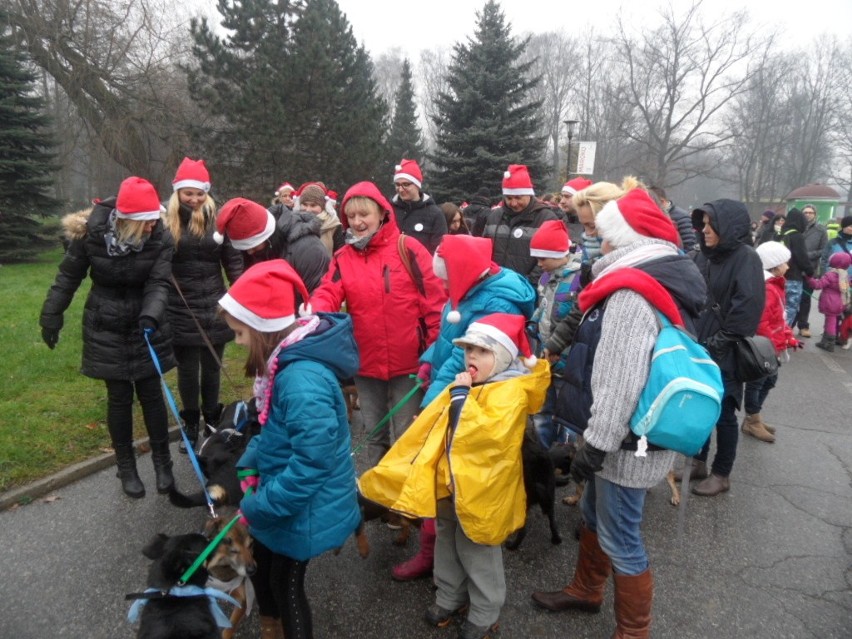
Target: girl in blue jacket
x: 303, y: 500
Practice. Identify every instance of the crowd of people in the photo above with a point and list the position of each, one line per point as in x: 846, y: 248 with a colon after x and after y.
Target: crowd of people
x: 469, y: 324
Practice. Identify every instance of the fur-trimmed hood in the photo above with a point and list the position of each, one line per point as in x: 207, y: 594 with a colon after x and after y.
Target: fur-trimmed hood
x: 74, y: 224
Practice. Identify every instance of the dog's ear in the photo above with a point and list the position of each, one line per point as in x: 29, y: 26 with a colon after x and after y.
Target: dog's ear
x: 156, y: 547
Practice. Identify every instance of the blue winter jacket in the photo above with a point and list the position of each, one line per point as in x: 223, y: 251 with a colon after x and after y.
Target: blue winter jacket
x: 505, y: 292
x: 306, y: 502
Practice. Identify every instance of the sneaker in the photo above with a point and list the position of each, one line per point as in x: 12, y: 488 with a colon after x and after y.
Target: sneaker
x: 441, y: 617
x: 846, y: 346
x: 470, y: 631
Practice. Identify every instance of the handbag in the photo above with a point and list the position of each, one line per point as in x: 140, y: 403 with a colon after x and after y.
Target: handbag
x: 755, y: 357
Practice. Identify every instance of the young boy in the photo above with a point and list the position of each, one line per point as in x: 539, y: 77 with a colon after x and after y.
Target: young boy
x: 558, y: 288
x: 464, y: 465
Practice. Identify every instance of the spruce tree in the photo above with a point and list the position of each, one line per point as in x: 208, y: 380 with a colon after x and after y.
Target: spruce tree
x: 404, y: 139
x: 26, y: 159
x: 488, y: 118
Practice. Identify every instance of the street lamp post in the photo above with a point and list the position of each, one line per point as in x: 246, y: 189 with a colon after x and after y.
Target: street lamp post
x: 571, y: 124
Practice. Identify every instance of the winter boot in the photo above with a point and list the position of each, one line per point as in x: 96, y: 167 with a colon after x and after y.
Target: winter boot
x: 826, y: 343
x: 190, y: 426
x: 586, y: 590
x: 271, y: 628
x: 421, y: 564
x: 211, y: 419
x: 753, y: 425
x: 125, y: 459
x: 162, y: 459
x: 633, y: 597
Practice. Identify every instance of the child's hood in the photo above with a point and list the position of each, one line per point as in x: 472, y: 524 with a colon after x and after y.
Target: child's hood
x: 332, y: 344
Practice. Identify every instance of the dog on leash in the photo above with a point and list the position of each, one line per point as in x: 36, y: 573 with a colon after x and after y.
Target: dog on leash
x: 230, y: 566
x: 370, y: 510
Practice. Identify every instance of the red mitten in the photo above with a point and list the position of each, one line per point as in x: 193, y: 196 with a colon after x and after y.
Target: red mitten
x: 424, y: 374
x: 242, y: 519
x: 249, y: 482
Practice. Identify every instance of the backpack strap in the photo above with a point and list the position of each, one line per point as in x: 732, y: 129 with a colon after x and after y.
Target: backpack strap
x: 410, y: 265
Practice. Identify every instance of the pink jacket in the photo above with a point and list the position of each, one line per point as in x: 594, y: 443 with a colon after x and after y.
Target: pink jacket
x: 830, y: 300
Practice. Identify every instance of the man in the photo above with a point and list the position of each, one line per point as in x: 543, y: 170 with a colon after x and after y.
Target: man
x: 800, y: 265
x: 512, y: 225
x: 416, y: 213
x: 566, y: 204
x: 815, y: 240
x: 681, y: 218
x: 477, y: 210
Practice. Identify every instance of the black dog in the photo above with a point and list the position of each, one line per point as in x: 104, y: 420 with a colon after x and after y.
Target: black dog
x: 540, y: 486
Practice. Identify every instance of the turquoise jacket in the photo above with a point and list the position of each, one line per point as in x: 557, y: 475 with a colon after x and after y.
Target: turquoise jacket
x: 306, y: 503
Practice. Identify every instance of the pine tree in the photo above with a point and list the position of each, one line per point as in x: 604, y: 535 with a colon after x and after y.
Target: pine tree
x: 488, y: 119
x: 405, y: 139
x: 26, y: 160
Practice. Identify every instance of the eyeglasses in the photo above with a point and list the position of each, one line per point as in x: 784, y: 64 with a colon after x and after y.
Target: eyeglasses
x: 403, y: 185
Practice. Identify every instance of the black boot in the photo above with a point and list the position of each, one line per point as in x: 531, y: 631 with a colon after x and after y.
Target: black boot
x: 162, y: 466
x: 190, y: 426
x: 125, y: 459
x: 211, y: 419
x: 826, y: 343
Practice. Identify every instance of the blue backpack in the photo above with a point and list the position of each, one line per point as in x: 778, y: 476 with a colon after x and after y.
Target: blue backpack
x: 682, y: 398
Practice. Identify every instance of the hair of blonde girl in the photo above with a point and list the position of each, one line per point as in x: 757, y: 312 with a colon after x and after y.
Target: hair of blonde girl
x: 203, y: 218
x: 129, y: 231
x: 598, y: 194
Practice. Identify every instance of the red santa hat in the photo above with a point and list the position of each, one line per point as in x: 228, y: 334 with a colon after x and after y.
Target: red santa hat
x: 285, y: 187
x: 264, y: 297
x: 463, y: 261
x: 577, y: 184
x: 192, y: 174
x: 632, y: 217
x: 331, y: 196
x: 516, y: 181
x: 507, y: 329
x: 408, y: 170
x: 137, y: 200
x: 550, y: 240
x: 246, y: 224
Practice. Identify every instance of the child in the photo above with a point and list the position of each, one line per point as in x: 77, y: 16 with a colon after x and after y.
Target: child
x: 304, y: 501
x: 557, y: 292
x: 774, y: 258
x: 834, y: 297
x: 463, y: 464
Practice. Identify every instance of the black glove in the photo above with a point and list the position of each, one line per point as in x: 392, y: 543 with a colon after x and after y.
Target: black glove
x: 585, y: 274
x: 147, y: 324
x: 587, y: 461
x: 50, y: 337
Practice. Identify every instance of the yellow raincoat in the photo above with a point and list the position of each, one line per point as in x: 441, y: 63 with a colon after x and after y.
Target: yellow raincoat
x: 479, y: 463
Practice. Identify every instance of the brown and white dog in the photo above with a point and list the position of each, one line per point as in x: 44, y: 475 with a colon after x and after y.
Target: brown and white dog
x: 230, y: 566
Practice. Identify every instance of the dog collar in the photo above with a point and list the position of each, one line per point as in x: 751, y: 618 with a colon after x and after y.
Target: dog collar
x: 184, y: 591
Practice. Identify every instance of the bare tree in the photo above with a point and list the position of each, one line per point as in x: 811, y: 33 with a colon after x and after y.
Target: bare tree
x: 431, y: 77
x: 386, y: 70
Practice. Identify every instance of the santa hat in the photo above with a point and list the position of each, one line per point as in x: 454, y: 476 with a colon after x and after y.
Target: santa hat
x: 264, y: 297
x: 192, y: 174
x: 577, y: 184
x: 508, y: 330
x: 516, y: 181
x: 550, y: 240
x: 773, y: 254
x: 246, y: 224
x: 331, y: 196
x: 138, y: 200
x: 462, y: 260
x: 408, y: 170
x: 285, y: 187
x: 632, y: 217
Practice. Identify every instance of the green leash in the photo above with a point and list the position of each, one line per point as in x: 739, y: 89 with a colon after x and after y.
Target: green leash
x: 393, y: 411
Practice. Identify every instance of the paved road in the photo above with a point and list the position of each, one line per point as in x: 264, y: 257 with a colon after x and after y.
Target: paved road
x: 769, y: 559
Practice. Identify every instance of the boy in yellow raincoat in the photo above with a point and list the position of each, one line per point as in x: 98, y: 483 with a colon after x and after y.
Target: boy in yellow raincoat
x: 460, y: 461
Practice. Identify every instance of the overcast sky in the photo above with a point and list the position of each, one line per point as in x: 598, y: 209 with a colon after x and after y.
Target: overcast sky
x: 384, y: 24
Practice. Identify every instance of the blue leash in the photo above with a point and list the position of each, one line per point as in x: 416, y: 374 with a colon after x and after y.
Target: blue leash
x: 189, y: 447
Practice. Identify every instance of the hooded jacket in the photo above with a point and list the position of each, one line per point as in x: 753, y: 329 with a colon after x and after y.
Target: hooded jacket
x: 772, y: 324
x: 792, y: 236
x: 298, y: 242
x: 124, y: 288
x: 512, y: 232
x: 423, y: 220
x: 306, y: 503
x: 384, y: 301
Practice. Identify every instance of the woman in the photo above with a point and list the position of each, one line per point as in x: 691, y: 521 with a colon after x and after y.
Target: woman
x: 395, y: 302
x: 197, y: 268
x: 312, y: 199
x: 456, y: 224
x: 122, y: 245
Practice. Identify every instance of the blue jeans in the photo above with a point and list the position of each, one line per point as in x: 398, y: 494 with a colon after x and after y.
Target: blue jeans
x: 548, y: 431
x: 756, y: 393
x: 794, y: 299
x: 615, y: 513
x: 727, y: 436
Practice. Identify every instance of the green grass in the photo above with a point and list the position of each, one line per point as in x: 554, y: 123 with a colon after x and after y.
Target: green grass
x: 51, y: 416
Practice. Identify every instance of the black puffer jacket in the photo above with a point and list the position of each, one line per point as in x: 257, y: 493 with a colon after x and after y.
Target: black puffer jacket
x: 475, y: 214
x: 511, y: 233
x: 792, y: 235
x: 123, y: 289
x: 197, y: 266
x: 423, y: 220
x: 297, y: 239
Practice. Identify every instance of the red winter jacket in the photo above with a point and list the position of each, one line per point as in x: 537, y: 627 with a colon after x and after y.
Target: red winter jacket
x: 772, y: 324
x: 381, y: 296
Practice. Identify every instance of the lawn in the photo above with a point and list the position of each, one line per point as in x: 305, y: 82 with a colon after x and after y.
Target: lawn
x: 51, y: 416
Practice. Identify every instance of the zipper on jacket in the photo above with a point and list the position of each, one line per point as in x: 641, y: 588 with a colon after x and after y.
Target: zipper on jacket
x: 386, y: 273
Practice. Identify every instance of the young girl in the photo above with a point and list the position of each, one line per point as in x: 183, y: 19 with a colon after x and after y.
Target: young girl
x: 834, y: 297
x: 197, y: 268
x: 303, y: 501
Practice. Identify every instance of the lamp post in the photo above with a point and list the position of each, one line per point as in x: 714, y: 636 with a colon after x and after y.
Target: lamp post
x: 571, y: 124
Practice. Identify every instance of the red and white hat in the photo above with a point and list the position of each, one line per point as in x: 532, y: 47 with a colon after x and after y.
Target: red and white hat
x: 264, y: 297
x: 246, y: 224
x: 577, y: 184
x: 408, y: 170
x: 550, y: 240
x: 516, y: 181
x: 462, y: 260
x: 192, y: 174
x: 508, y: 330
x: 331, y: 196
x: 285, y: 187
x: 632, y: 217
x: 137, y: 200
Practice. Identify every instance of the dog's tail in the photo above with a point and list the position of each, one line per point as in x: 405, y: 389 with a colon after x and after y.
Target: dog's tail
x: 194, y: 500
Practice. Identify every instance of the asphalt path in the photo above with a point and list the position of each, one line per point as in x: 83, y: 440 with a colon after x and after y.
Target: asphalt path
x: 771, y: 558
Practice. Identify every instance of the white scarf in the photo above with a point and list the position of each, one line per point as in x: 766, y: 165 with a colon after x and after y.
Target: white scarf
x: 634, y: 254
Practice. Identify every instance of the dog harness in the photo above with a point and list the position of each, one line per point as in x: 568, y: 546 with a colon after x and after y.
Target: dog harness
x: 231, y: 585
x: 183, y: 591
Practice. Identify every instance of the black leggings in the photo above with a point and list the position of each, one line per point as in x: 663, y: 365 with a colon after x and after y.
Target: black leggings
x: 279, y: 585
x: 120, y: 409
x: 190, y: 359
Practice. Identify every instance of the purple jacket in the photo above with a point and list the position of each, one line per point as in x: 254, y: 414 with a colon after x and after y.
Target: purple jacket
x: 830, y: 300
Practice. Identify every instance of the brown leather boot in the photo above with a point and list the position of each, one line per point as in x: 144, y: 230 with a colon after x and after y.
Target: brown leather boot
x: 771, y: 429
x: 633, y: 597
x: 271, y: 628
x: 586, y: 590
x: 753, y: 425
x: 712, y: 486
x: 699, y: 471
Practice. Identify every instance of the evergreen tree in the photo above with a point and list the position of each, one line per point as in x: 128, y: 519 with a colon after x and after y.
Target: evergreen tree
x: 488, y: 118
x: 405, y: 139
x: 26, y: 159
